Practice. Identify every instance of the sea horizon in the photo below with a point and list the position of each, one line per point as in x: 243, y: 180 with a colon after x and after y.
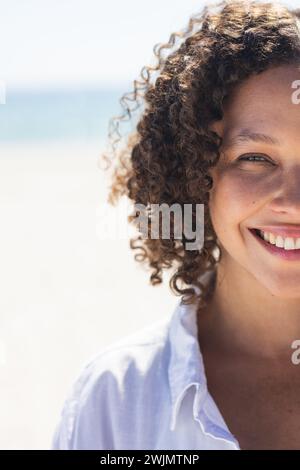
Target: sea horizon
x: 59, y: 114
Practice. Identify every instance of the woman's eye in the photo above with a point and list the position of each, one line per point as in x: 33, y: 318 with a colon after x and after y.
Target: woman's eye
x: 254, y: 158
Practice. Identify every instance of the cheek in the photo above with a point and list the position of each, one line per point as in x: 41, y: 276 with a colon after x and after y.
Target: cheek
x: 234, y: 197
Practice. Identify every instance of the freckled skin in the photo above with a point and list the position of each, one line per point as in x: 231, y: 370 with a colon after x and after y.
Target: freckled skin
x: 250, y: 193
x: 246, y: 331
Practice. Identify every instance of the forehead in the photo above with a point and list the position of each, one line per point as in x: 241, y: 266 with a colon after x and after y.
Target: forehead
x: 263, y: 102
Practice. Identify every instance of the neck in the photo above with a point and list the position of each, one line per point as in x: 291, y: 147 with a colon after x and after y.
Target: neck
x: 244, y: 317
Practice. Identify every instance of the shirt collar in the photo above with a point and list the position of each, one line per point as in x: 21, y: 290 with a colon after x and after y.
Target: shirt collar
x: 186, y: 369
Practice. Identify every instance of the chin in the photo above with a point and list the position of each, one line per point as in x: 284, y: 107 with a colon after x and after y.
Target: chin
x: 282, y: 291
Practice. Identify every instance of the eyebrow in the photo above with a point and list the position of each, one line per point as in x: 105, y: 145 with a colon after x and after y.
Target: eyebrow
x: 248, y: 136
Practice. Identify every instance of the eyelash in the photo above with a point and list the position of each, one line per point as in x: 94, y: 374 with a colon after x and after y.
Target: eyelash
x: 245, y: 158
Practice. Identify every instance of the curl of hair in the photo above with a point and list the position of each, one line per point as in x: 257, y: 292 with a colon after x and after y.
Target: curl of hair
x: 166, y: 159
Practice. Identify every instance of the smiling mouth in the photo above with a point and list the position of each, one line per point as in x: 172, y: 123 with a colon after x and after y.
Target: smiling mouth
x: 257, y: 232
x: 260, y: 234
x: 293, y: 254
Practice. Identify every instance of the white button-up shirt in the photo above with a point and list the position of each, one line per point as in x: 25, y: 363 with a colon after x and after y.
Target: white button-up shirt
x: 147, y: 391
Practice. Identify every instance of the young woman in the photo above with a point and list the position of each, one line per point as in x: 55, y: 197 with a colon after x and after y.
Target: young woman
x: 220, y: 128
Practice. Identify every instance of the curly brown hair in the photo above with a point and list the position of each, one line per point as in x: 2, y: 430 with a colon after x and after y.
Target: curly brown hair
x: 166, y: 159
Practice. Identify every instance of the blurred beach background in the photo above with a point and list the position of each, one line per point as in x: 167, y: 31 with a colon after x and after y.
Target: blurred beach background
x: 66, y: 292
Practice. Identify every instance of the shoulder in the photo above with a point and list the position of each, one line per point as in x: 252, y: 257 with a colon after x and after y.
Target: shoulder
x: 113, y: 388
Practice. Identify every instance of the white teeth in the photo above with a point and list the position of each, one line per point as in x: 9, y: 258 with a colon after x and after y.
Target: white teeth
x: 288, y: 243
x: 272, y: 239
x: 266, y: 236
x: 279, y: 241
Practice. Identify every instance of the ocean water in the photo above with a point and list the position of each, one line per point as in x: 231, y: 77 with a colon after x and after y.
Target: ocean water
x: 59, y: 115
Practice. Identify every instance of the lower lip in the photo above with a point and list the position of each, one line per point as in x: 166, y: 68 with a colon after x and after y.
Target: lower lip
x: 280, y: 252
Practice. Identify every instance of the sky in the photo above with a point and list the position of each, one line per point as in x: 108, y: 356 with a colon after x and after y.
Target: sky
x: 75, y: 43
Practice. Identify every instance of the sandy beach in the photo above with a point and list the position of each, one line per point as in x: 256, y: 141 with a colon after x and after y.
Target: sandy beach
x: 65, y: 293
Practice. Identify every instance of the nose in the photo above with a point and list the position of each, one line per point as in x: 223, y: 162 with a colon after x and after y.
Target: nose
x: 287, y: 197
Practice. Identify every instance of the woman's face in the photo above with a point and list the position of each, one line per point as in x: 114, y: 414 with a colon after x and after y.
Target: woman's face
x: 265, y: 193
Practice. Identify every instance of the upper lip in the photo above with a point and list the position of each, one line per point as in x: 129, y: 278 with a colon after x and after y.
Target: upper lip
x: 283, y: 230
